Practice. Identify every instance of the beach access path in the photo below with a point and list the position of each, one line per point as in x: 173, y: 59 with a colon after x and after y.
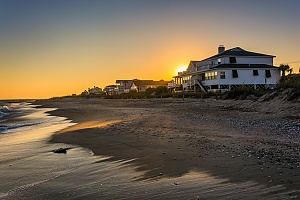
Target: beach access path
x: 237, y: 140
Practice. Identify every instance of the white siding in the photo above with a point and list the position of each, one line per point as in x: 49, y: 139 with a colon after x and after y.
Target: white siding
x: 250, y: 60
x: 245, y: 76
x: 205, y: 65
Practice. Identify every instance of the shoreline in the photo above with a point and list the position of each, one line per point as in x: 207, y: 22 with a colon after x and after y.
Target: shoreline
x: 240, y: 142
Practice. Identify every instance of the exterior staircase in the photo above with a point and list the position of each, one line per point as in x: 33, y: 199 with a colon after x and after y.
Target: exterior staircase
x: 201, y: 85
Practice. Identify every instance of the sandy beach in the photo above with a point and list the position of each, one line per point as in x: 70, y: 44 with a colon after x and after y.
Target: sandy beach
x: 238, y: 141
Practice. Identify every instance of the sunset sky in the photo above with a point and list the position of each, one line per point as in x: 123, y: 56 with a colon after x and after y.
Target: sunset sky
x: 59, y: 47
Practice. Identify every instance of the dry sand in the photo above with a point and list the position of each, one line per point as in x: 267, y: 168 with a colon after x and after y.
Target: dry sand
x: 236, y: 140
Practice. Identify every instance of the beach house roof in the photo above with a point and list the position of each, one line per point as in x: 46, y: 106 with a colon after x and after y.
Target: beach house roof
x: 237, y: 51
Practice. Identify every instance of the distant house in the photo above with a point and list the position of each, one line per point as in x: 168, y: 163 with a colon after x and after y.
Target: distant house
x: 92, y: 91
x: 111, y: 89
x: 84, y: 93
x: 230, y: 69
x: 124, y: 86
x: 95, y: 90
x: 142, y: 85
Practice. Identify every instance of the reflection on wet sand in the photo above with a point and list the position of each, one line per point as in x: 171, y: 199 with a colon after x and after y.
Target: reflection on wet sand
x: 87, y: 125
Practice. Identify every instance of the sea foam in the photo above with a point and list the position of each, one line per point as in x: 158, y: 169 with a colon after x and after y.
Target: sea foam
x: 8, y: 108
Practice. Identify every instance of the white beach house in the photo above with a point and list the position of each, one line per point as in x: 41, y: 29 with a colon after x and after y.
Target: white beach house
x: 230, y: 69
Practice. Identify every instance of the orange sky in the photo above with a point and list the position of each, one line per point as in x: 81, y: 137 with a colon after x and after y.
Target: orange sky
x: 58, y: 48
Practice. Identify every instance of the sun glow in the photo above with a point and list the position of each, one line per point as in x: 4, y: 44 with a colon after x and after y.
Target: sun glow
x: 181, y: 68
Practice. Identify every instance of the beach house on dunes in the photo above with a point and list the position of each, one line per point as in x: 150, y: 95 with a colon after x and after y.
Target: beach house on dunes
x: 229, y: 69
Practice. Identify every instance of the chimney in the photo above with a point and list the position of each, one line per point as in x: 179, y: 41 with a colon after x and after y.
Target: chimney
x: 221, y: 49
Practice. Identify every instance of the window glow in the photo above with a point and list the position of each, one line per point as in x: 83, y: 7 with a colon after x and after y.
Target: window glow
x: 222, y: 75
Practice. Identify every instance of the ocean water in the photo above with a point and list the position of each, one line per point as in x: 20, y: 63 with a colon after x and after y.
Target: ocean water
x: 26, y: 156
x: 30, y: 170
x: 6, y: 109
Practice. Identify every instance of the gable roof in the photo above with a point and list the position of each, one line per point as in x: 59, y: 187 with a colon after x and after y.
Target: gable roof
x: 110, y: 86
x: 237, y: 51
x: 192, y: 63
x: 123, y: 81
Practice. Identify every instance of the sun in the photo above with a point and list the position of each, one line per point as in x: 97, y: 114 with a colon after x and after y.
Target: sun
x: 181, y: 68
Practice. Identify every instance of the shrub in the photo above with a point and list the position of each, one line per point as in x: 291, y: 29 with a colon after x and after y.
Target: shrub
x: 161, y: 90
x: 150, y: 91
x: 242, y: 93
x: 290, y: 81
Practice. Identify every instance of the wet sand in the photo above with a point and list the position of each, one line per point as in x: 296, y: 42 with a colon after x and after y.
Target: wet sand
x: 238, y: 141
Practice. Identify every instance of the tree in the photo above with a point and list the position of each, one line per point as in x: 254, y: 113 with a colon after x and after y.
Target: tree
x: 284, y: 68
x: 161, y: 89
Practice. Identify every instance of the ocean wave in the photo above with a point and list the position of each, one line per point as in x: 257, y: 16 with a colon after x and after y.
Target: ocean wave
x: 4, y: 110
x: 2, y: 114
x: 8, y: 108
x: 4, y: 129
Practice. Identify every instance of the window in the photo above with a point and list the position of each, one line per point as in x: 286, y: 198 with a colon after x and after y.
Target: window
x: 268, y: 73
x: 255, y: 72
x: 211, y: 75
x: 206, y: 76
x: 219, y: 60
x: 216, y: 75
x: 234, y: 74
x: 222, y: 75
x: 232, y: 59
